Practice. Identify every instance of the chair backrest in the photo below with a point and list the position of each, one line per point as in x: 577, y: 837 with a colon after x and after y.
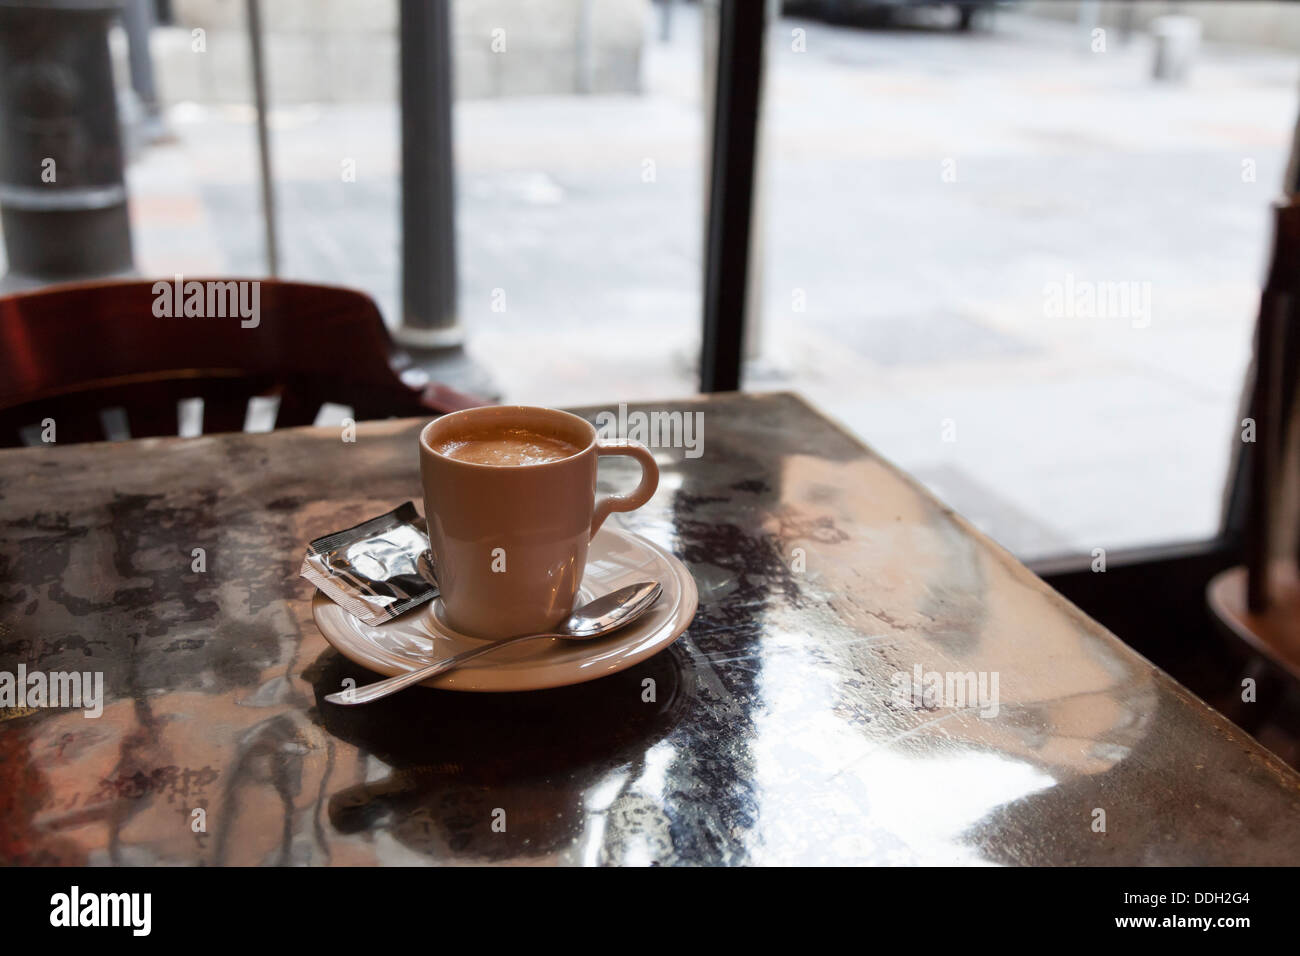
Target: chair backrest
x: 124, y: 359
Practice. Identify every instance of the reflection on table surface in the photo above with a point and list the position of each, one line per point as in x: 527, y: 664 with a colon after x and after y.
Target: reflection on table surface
x: 779, y: 729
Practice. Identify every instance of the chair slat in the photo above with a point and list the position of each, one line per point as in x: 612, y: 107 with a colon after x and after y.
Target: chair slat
x: 189, y: 417
x: 116, y: 424
x: 333, y: 414
x: 260, y: 413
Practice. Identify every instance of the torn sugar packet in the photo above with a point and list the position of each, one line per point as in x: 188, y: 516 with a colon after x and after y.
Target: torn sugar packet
x: 376, y: 570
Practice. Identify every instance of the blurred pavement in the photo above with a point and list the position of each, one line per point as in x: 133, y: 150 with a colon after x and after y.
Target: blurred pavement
x: 924, y: 191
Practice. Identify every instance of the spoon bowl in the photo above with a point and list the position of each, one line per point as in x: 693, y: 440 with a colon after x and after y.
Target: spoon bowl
x: 609, y: 612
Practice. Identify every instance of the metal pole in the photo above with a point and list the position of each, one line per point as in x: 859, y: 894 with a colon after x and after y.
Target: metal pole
x: 429, y: 303
x: 665, y: 21
x: 263, y: 139
x: 1088, y: 16
x: 138, y: 18
x: 757, y: 230
x: 62, y: 183
x: 586, y: 79
x: 737, y: 99
x: 1126, y: 21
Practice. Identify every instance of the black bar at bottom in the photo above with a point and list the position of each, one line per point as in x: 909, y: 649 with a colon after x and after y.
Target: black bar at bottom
x: 244, y: 907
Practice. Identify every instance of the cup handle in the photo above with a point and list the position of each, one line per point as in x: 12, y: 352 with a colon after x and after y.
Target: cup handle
x: 640, y: 495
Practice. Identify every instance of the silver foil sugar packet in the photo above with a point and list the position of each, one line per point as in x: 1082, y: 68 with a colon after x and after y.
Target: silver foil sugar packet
x: 376, y: 570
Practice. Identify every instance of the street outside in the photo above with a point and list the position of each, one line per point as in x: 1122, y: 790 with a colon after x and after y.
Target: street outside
x: 1019, y: 269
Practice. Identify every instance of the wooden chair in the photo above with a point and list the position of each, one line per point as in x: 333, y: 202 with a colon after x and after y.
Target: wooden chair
x: 101, y: 362
x: 1258, y: 602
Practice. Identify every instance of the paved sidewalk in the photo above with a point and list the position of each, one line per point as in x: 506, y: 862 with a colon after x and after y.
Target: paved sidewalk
x: 914, y: 306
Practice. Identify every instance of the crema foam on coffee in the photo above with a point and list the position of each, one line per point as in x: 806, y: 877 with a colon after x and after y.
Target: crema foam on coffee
x: 505, y: 446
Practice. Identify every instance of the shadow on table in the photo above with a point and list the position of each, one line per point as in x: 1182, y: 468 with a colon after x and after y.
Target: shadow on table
x: 463, y: 765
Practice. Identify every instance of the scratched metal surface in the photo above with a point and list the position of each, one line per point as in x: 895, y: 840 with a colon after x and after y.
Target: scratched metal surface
x: 775, y: 736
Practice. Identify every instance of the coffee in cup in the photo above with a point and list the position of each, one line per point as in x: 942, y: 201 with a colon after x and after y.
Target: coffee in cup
x: 510, y: 503
x: 506, y: 445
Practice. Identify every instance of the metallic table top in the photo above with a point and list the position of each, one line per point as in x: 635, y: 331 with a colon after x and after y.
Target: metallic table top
x: 791, y: 723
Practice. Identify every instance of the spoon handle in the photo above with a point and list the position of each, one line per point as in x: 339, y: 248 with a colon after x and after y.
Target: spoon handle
x: 391, y: 685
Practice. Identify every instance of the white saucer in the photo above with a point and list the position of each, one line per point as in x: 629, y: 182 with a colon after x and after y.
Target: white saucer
x: 616, y: 558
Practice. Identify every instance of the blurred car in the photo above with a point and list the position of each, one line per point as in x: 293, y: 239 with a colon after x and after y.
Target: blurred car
x: 880, y: 11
